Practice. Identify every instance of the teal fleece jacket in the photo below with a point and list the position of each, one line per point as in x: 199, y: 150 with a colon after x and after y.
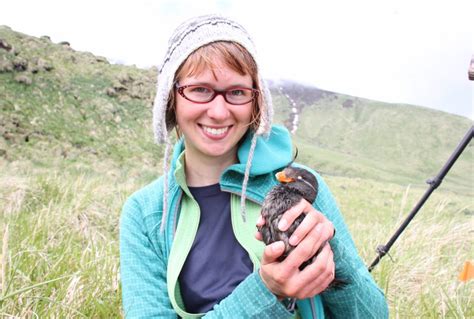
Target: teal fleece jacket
x: 145, y: 249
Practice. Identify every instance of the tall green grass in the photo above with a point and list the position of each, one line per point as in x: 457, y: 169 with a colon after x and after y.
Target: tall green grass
x: 420, y: 276
x: 60, y: 240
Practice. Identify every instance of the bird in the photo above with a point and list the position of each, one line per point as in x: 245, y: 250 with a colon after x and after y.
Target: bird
x: 295, y: 184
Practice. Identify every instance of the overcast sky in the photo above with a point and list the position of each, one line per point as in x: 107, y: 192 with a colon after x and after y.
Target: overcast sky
x: 403, y: 51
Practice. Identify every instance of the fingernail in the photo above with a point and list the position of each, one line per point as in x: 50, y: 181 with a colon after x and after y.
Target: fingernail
x: 294, y: 240
x: 282, y: 224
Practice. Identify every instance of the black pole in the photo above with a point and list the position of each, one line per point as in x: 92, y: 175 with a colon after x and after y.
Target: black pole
x: 382, y: 250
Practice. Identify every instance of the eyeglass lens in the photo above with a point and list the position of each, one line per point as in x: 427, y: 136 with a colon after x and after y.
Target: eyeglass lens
x: 204, y: 94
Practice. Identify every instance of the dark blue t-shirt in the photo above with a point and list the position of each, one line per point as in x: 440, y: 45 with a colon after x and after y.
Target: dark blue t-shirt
x: 217, y: 263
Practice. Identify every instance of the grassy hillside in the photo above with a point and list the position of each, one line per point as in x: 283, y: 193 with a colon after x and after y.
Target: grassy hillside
x: 71, y: 104
x: 75, y: 141
x: 348, y: 136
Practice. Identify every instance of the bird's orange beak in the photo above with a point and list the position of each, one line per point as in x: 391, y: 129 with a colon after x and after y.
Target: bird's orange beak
x: 282, y: 178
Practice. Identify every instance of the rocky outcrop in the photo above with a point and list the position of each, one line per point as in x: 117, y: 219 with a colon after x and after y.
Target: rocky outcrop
x: 348, y: 103
x: 4, y: 45
x: 127, y: 85
x: 23, y: 79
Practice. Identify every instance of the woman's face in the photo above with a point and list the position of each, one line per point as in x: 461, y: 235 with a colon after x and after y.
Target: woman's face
x: 213, y: 129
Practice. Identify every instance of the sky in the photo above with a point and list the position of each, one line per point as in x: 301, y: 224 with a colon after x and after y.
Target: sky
x: 400, y: 51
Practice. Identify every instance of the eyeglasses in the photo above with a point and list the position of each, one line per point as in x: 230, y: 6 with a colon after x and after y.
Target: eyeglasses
x: 204, y: 94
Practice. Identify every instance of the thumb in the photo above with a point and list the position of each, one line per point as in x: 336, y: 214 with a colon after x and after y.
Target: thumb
x: 272, y: 252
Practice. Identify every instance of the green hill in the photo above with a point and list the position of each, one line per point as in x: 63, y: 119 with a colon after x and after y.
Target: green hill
x: 350, y: 136
x: 70, y: 104
x: 60, y: 102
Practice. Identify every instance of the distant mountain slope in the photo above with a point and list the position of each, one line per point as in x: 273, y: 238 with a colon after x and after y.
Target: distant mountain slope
x: 346, y: 135
x: 55, y: 101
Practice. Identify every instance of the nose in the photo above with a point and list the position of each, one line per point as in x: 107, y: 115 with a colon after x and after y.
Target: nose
x: 218, y: 108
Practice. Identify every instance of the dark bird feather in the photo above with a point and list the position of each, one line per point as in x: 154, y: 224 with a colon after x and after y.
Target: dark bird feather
x: 295, y: 184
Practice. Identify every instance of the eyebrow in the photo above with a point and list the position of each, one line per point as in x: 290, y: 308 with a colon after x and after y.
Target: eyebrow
x: 239, y: 85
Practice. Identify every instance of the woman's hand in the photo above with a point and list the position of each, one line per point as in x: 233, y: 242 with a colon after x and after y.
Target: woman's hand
x: 284, y: 278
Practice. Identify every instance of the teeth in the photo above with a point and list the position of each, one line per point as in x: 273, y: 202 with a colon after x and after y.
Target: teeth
x: 215, y: 131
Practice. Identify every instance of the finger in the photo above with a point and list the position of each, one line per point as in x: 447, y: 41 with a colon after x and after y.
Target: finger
x: 332, y: 265
x: 305, y: 250
x: 311, y: 244
x: 319, y: 274
x: 323, y: 231
x: 307, y: 225
x: 329, y: 229
x: 322, y: 263
x: 329, y: 275
x: 322, y: 286
x: 272, y: 252
x: 291, y: 214
x: 260, y: 221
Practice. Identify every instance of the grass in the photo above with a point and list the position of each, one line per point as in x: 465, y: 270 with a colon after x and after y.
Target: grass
x: 63, y: 258
x: 420, y: 277
x: 60, y: 240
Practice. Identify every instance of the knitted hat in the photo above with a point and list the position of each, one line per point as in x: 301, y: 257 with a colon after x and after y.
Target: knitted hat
x: 188, y: 37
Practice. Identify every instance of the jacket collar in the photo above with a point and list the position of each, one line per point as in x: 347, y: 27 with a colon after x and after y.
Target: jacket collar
x: 271, y: 154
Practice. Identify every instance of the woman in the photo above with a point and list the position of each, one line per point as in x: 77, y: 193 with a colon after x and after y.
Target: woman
x: 187, y: 240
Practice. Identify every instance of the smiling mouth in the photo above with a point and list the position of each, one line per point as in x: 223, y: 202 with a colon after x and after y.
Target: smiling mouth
x: 215, y: 131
